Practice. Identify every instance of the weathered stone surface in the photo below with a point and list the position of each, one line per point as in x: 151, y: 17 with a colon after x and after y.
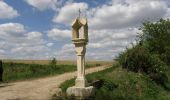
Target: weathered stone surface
x: 81, y: 92
x: 80, y: 39
x: 80, y: 82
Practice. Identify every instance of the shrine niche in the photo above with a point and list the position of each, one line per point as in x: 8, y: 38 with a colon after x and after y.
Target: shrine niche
x: 80, y: 29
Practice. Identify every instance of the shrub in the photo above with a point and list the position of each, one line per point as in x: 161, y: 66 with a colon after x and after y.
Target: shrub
x: 151, y: 55
x: 135, y: 59
x: 157, y: 71
x: 157, y: 35
x: 139, y: 59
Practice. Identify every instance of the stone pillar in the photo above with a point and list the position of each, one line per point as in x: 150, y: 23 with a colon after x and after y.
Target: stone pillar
x: 80, y: 52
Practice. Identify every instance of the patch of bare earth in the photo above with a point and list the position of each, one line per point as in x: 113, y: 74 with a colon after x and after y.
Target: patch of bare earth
x: 40, y: 89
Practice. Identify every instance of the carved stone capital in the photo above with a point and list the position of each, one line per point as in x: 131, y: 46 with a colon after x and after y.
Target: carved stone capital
x: 80, y: 49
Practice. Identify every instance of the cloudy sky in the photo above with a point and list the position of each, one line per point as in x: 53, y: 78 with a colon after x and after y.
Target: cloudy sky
x: 41, y: 29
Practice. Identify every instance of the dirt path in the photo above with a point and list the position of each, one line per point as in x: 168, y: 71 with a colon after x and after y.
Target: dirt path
x: 40, y: 89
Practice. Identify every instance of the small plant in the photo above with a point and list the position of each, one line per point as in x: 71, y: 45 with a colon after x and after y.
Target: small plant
x: 98, y: 64
x: 53, y: 62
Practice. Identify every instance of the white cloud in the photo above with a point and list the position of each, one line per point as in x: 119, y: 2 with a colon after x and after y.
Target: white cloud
x: 2, y: 51
x: 34, y: 35
x: 6, y: 11
x: 69, y: 12
x: 17, y: 42
x: 107, y: 44
x: 43, y: 4
x: 59, y: 34
x: 12, y: 27
x: 66, y: 52
x: 167, y: 15
x: 112, y: 34
x: 50, y: 44
x: 9, y: 31
x: 103, y: 44
x: 119, y: 14
x: 95, y: 45
x: 129, y: 13
x: 112, y: 28
x: 68, y: 47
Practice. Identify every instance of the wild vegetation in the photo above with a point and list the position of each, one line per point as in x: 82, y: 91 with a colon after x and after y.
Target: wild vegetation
x: 145, y: 69
x: 16, y: 71
x: 119, y: 84
x: 59, y: 62
x: 20, y: 71
x: 151, y: 55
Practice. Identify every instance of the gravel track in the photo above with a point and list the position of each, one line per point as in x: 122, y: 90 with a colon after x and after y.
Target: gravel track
x: 39, y: 89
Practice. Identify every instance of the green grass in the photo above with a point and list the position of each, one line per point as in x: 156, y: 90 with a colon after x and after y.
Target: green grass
x: 90, y: 77
x: 60, y: 62
x: 120, y: 84
x: 19, y: 71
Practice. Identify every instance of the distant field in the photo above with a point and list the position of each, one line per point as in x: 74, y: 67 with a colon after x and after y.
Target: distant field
x: 59, y: 62
x: 27, y: 69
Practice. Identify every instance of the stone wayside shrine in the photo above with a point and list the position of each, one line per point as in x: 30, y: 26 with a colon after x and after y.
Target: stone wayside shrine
x: 80, y: 40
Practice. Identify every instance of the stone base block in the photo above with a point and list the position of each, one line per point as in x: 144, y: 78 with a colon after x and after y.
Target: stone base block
x: 80, y: 82
x: 81, y: 92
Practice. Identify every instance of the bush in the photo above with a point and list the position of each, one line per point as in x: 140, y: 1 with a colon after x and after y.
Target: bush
x: 157, y: 36
x: 151, y: 55
x: 135, y: 59
x: 157, y: 71
x: 139, y: 59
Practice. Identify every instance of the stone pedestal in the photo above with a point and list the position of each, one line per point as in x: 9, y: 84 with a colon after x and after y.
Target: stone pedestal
x: 80, y: 89
x: 81, y: 92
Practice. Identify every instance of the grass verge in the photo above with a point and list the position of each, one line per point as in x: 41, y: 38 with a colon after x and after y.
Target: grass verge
x: 119, y: 84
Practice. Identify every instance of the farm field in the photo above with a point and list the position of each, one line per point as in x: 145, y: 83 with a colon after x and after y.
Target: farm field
x: 66, y: 62
x: 30, y: 69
